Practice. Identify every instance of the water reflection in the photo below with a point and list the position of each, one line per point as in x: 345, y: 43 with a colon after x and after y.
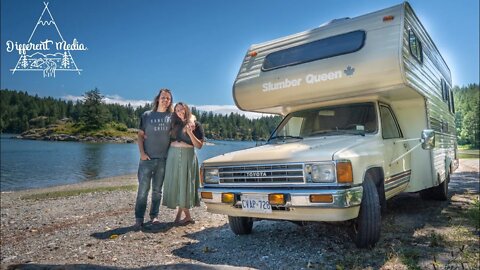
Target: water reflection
x: 91, y: 166
x: 34, y: 164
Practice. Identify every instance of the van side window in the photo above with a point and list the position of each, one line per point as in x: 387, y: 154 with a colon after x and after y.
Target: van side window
x: 452, y: 101
x: 389, y: 124
x: 315, y: 50
x: 415, y: 46
x: 292, y: 127
x: 447, y: 95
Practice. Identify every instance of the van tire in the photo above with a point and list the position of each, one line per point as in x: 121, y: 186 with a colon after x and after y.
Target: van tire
x: 240, y: 225
x: 439, y: 193
x: 366, y: 227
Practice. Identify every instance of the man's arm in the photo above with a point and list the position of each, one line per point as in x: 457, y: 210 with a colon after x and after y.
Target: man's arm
x: 141, y: 140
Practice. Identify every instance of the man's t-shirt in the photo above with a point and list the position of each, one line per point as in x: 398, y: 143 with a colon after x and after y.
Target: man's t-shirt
x: 156, y: 126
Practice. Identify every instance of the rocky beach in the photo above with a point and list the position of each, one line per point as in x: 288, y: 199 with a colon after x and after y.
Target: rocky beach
x: 88, y: 226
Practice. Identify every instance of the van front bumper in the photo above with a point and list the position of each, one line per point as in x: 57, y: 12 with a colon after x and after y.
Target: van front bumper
x: 344, y: 206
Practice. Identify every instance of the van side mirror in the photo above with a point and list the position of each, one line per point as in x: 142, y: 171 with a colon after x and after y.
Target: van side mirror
x: 428, y: 139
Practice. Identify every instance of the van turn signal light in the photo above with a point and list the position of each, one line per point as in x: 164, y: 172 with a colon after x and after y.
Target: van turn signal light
x: 344, y: 172
x: 252, y: 54
x: 206, y: 195
x: 321, y: 198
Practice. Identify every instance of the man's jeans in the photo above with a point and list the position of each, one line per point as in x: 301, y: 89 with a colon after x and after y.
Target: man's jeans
x: 149, y: 170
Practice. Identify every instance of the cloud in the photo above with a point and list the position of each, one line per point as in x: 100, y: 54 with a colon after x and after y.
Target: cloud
x: 119, y: 100
x: 113, y: 99
x: 216, y: 109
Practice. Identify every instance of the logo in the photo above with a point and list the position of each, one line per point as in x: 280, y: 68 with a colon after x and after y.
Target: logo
x: 255, y: 174
x: 349, y: 71
x: 311, y: 78
x: 46, y: 50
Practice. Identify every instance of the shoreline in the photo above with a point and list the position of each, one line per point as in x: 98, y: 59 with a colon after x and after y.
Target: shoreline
x: 114, y: 181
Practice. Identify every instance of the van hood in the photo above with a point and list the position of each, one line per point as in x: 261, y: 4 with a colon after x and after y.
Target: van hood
x: 292, y: 150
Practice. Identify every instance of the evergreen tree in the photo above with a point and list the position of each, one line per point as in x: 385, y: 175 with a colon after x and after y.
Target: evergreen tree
x: 467, y: 115
x: 94, y: 114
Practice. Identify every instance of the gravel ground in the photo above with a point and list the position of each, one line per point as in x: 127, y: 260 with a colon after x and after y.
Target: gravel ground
x: 93, y: 231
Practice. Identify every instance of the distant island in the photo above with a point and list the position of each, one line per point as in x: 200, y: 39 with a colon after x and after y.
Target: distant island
x: 65, y: 130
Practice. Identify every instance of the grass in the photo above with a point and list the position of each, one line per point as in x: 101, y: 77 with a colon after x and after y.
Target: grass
x: 467, y: 147
x: 76, y: 192
x: 410, y: 258
x: 473, y: 214
x: 111, y: 129
x: 462, y: 239
x: 468, y: 153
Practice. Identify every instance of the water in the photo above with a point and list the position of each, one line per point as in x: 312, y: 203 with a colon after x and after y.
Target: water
x: 29, y: 164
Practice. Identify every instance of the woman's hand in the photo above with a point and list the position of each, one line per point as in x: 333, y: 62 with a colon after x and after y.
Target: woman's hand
x: 189, y: 128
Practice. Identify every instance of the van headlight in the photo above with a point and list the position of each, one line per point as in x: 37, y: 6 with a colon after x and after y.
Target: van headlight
x: 211, y: 176
x: 320, y: 172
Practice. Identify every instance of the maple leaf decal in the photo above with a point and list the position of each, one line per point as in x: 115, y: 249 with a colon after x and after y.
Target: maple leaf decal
x: 349, y: 71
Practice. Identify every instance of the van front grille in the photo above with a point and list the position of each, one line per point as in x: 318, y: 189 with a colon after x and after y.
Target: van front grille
x: 270, y: 173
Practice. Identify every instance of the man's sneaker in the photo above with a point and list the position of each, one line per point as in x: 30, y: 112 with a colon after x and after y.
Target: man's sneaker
x: 155, y: 220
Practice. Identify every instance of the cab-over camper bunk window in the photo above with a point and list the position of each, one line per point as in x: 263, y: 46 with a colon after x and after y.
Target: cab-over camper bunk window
x: 315, y: 50
x: 415, y: 46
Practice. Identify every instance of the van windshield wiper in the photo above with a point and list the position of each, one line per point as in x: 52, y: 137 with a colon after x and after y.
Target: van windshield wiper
x: 283, y: 137
x: 336, y: 132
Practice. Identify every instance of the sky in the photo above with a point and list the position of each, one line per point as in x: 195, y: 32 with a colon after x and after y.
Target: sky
x: 132, y: 48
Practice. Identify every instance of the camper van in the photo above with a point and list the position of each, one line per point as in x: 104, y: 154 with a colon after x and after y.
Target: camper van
x: 368, y: 114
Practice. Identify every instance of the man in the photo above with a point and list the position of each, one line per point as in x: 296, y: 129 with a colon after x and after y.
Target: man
x: 153, y: 143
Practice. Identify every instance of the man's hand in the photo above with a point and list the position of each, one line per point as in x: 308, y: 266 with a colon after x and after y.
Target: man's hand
x: 144, y: 157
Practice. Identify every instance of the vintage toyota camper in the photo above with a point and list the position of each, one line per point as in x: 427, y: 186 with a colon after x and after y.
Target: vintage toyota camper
x: 368, y: 113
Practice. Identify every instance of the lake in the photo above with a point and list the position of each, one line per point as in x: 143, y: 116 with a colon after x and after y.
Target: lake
x: 29, y: 164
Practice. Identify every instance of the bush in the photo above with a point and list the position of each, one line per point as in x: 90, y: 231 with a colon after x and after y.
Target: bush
x: 119, y: 126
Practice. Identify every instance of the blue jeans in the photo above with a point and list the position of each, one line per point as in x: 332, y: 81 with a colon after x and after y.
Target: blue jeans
x: 149, y: 171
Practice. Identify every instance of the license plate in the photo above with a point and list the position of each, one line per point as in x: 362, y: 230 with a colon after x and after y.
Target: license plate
x: 256, y: 203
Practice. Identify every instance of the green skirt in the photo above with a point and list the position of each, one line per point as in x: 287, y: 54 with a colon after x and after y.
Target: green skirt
x: 181, y: 178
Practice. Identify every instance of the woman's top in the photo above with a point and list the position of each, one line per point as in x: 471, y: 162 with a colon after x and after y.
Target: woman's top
x: 178, y: 135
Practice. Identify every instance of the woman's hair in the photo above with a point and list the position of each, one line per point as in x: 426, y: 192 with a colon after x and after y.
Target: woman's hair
x: 157, y: 98
x: 177, y: 122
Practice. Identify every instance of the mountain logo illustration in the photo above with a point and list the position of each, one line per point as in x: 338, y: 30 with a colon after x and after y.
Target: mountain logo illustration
x: 50, y: 51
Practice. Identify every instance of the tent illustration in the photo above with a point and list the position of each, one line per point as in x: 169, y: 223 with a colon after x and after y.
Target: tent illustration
x: 54, y: 60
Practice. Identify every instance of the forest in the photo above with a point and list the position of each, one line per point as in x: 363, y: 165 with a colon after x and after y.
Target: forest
x: 21, y: 111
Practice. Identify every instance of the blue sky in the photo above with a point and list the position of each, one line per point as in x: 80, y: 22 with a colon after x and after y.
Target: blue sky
x: 195, y: 47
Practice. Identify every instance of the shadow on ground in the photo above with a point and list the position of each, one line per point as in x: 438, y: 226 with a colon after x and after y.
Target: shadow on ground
x: 146, y: 228
x: 408, y: 235
x: 102, y: 267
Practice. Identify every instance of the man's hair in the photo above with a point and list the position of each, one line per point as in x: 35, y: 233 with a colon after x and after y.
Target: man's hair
x: 157, y: 99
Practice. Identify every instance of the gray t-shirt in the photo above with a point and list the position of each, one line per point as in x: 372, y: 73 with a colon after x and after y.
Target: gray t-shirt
x: 156, y: 126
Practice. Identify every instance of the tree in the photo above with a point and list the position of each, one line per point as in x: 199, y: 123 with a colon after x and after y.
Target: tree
x: 467, y: 114
x: 65, y: 60
x: 95, y: 113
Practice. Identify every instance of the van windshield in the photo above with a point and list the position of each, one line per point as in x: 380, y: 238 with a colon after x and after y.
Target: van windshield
x: 350, y: 119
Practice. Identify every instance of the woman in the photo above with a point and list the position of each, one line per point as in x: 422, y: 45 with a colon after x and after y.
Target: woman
x: 181, y: 175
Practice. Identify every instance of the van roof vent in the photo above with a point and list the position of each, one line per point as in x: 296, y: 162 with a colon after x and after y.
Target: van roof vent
x: 334, y: 21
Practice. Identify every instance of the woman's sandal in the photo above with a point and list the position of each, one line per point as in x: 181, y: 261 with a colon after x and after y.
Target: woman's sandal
x: 186, y: 222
